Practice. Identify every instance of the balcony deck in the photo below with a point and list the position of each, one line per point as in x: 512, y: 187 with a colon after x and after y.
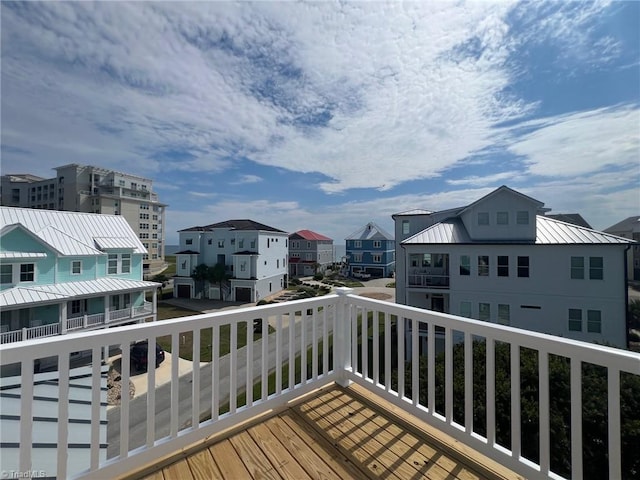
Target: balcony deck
x: 337, y: 433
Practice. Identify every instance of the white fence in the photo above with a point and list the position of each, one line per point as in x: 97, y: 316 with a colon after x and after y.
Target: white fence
x: 424, y: 362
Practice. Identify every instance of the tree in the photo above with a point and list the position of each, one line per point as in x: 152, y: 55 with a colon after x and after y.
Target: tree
x: 594, y: 406
x: 199, y: 275
x: 217, y: 274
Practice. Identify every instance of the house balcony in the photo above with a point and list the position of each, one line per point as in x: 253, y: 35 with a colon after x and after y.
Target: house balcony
x: 80, y: 322
x: 347, y: 384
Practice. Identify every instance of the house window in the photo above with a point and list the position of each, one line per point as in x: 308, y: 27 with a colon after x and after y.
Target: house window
x: 503, y: 266
x: 357, y: 257
x: 405, y: 227
x: 484, y: 310
x: 377, y: 244
x: 27, y: 272
x: 189, y: 241
x: 377, y: 258
x: 465, y: 265
x: 112, y: 264
x: 523, y: 266
x: 504, y: 317
x: 243, y: 266
x: 308, y: 244
x: 220, y: 243
x: 78, y: 307
x: 241, y: 243
x: 465, y: 309
x: 483, y: 265
x: 76, y: 267
x: 277, y: 263
x: 253, y: 244
x: 126, y: 263
x: 575, y: 320
x: 502, y: 218
x: 522, y: 217
x: 233, y: 241
x: 309, y: 256
x: 577, y: 267
x: 483, y: 218
x: 6, y: 274
x: 596, y: 268
x: 357, y: 244
x: 209, y: 241
x: 594, y: 321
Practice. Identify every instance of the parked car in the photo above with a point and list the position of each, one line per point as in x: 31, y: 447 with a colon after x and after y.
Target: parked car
x: 139, y: 355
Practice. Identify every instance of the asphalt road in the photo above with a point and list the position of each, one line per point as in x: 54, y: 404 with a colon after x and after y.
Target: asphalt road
x: 138, y: 405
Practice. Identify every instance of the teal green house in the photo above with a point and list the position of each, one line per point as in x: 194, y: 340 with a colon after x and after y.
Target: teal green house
x: 62, y: 272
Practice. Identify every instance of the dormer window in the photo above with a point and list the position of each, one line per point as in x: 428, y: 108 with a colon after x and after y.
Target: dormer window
x: 189, y: 241
x: 483, y: 218
x: 502, y: 218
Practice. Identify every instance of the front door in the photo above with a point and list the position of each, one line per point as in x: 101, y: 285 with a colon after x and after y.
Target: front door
x: 437, y: 303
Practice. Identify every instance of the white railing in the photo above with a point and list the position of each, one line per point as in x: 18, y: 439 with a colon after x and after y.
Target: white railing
x: 30, y: 332
x: 115, y: 315
x: 428, y: 280
x: 12, y: 336
x: 433, y: 377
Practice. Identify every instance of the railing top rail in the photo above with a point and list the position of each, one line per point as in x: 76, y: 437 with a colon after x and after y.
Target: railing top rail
x: 625, y: 360
x: 85, y: 340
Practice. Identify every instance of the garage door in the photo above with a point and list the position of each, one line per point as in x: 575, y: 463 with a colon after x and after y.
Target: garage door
x: 184, y: 291
x: 375, y: 272
x: 243, y: 294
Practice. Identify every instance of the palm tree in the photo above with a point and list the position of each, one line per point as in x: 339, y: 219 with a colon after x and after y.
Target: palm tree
x: 217, y: 274
x: 199, y: 275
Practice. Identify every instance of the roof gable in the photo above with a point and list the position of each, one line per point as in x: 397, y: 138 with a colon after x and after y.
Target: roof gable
x: 499, y: 191
x: 371, y: 231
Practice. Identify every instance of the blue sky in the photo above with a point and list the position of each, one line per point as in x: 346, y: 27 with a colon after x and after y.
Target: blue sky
x: 326, y: 116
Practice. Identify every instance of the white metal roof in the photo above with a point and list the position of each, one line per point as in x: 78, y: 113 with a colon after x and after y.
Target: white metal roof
x: 108, y: 243
x: 548, y: 232
x: 6, y: 254
x: 69, y: 290
x: 64, y: 243
x: 45, y: 421
x: 83, y: 227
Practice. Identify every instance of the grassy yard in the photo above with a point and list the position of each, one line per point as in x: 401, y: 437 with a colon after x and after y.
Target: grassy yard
x: 166, y: 311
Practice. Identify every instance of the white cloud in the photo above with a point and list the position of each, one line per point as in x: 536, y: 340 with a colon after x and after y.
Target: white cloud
x: 581, y: 143
x: 244, y: 179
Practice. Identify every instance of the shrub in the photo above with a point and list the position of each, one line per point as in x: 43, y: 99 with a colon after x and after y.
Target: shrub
x: 318, y: 277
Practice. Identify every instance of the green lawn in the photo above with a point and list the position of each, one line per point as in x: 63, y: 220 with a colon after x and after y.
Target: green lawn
x: 166, y: 311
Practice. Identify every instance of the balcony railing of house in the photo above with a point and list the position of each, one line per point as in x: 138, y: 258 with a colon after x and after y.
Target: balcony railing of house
x: 75, y: 323
x: 428, y: 280
x: 522, y: 398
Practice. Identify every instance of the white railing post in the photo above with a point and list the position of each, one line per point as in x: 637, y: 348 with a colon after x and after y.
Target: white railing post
x: 342, y: 337
x: 24, y: 333
x: 63, y: 317
x: 106, y: 309
x: 85, y: 320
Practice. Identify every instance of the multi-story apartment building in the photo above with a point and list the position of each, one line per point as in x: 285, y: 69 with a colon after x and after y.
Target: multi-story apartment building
x: 62, y: 272
x: 630, y: 228
x: 254, y: 256
x: 499, y: 260
x: 370, y: 250
x: 85, y: 188
x: 309, y: 252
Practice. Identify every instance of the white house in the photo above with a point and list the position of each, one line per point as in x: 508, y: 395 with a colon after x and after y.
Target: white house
x: 501, y: 260
x: 254, y: 256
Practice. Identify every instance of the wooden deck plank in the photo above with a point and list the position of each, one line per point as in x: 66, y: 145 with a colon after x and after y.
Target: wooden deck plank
x: 179, y: 469
x: 416, y: 451
x: 228, y: 461
x: 352, y: 441
x: 203, y: 466
x: 330, y: 465
x: 253, y: 458
x: 332, y: 434
x: 281, y: 459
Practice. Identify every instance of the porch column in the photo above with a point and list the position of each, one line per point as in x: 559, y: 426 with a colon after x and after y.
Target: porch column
x: 63, y: 318
x: 154, y: 306
x: 106, y: 309
x: 342, y: 337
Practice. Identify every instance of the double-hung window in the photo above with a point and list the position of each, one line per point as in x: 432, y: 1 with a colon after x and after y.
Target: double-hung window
x: 465, y: 265
x: 6, y: 274
x: 126, y: 263
x: 112, y: 264
x: 27, y: 272
x: 575, y: 320
x: 596, y: 268
x: 577, y: 267
x: 504, y: 316
x: 503, y: 266
x: 594, y: 321
x: 483, y: 265
x: 523, y: 266
x: 484, y: 312
x: 76, y: 267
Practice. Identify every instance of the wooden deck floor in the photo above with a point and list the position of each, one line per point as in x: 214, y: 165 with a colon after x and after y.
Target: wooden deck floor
x: 334, y: 434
